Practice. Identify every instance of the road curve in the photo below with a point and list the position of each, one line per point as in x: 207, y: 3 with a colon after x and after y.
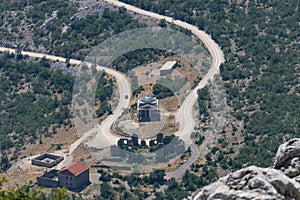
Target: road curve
x: 185, y: 114
x: 102, y: 133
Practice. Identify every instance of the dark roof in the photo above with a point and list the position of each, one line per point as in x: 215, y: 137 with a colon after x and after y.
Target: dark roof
x: 148, y: 100
x: 74, y: 169
x: 148, y: 107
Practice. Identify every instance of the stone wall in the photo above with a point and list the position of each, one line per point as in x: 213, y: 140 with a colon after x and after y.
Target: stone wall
x: 47, y: 182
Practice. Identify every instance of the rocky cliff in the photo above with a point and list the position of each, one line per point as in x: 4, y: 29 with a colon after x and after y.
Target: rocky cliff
x: 282, y: 181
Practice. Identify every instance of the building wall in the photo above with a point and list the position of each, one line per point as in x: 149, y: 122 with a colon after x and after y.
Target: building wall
x: 47, y: 182
x: 154, y: 115
x: 149, y: 115
x: 65, y: 180
x: 164, y: 72
x: 43, y: 164
x: 73, y: 182
x: 38, y: 160
x: 82, y: 179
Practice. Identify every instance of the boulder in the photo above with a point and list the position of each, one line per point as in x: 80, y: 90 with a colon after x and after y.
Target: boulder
x: 287, y: 158
x: 280, y: 182
x: 252, y: 183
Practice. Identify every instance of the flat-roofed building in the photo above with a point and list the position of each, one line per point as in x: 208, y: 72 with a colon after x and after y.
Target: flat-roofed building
x: 167, y: 68
x: 47, y: 160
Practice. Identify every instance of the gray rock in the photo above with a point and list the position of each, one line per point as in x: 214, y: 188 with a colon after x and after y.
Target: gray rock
x: 253, y: 182
x: 288, y: 158
x: 94, y: 7
x: 286, y: 152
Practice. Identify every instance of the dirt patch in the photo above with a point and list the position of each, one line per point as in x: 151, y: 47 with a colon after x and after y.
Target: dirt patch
x: 81, y: 154
x: 149, y: 74
x: 61, y: 140
x: 22, y: 172
x: 21, y: 175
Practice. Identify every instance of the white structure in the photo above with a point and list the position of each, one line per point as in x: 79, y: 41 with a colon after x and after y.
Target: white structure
x: 167, y: 68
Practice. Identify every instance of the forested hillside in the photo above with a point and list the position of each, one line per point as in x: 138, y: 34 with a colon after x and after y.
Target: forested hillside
x: 59, y: 26
x: 260, y: 40
x: 34, y: 101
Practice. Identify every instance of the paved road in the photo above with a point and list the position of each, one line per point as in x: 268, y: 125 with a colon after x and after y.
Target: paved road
x: 185, y: 115
x: 103, y: 136
x: 179, y: 172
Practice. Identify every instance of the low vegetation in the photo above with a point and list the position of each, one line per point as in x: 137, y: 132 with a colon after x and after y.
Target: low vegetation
x: 36, y: 102
x: 261, y: 72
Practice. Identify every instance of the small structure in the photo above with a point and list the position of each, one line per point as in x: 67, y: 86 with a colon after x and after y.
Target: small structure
x: 48, y: 179
x: 148, y: 109
x: 74, y: 176
x: 167, y: 68
x: 47, y: 160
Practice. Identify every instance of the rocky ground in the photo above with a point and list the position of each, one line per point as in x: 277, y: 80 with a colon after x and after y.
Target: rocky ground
x: 25, y: 37
x: 281, y: 181
x: 90, y: 7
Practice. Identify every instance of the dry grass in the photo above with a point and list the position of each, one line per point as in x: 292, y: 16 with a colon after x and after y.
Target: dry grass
x: 81, y: 154
x: 63, y: 136
x: 25, y: 172
x: 22, y: 175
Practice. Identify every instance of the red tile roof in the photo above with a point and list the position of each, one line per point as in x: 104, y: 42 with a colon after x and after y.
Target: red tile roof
x: 74, y: 169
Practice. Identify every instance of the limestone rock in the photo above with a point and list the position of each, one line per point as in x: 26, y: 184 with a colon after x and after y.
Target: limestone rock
x: 280, y: 182
x: 288, y: 159
x: 252, y: 183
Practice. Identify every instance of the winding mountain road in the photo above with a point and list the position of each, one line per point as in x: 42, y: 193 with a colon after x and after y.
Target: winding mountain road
x: 185, y: 114
x: 102, y: 134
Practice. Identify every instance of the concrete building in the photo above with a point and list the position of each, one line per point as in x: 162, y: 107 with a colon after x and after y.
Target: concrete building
x: 167, y: 68
x: 148, y: 109
x: 47, y: 160
x: 74, y: 176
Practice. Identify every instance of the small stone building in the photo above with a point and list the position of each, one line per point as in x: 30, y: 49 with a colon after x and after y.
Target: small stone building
x: 74, y: 176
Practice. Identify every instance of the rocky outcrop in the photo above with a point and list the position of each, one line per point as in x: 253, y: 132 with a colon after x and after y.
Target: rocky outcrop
x: 258, y: 183
x: 288, y: 159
